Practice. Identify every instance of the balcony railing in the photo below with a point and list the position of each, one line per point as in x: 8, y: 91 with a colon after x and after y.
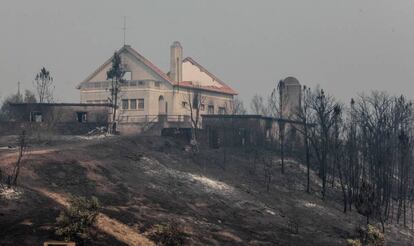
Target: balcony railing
x: 129, y: 83
x: 153, y: 118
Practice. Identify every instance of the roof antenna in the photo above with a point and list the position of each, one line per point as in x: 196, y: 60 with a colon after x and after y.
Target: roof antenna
x: 124, y: 29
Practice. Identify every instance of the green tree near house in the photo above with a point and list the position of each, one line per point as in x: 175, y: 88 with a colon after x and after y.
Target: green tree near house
x: 115, y: 74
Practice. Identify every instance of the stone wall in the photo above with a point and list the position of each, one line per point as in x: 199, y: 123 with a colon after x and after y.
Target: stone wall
x: 55, y: 118
x: 60, y: 113
x: 247, y: 130
x: 15, y: 128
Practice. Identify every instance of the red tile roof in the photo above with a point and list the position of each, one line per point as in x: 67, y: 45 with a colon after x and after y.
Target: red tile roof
x: 186, y: 84
x: 190, y: 84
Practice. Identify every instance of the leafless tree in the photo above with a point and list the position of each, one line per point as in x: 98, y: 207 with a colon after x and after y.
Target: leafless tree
x: 257, y: 105
x: 194, y: 99
x: 338, y: 153
x: 376, y: 163
x: 404, y: 112
x: 351, y: 160
x: 277, y: 108
x: 322, y: 107
x: 303, y: 115
x: 377, y: 133
x: 22, y: 145
x: 267, y: 170
x: 368, y: 147
x: 254, y: 158
x: 43, y: 84
x: 235, y: 107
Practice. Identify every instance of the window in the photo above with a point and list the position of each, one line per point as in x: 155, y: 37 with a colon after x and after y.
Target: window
x: 141, y: 83
x: 184, y: 104
x: 125, y: 104
x: 36, y: 117
x: 133, y: 83
x: 81, y: 116
x: 157, y: 84
x: 210, y: 109
x: 202, y: 107
x: 127, y: 76
x: 222, y: 110
x: 141, y: 104
x: 133, y: 104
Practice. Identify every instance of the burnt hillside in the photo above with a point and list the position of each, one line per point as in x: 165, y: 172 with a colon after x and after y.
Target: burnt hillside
x: 218, y: 196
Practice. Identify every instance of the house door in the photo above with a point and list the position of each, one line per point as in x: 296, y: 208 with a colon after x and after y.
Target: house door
x: 161, y: 105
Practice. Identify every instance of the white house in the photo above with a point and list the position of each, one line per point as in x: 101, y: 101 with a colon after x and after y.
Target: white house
x: 149, y: 92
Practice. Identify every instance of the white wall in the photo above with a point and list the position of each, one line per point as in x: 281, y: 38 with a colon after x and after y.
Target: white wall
x: 139, y: 70
x: 210, y: 98
x: 194, y: 74
x: 151, y: 93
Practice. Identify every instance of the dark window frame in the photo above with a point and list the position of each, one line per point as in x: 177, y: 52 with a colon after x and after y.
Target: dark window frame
x: 141, y: 104
x: 33, y: 115
x: 82, y: 117
x: 210, y: 109
x: 133, y: 104
x: 123, y: 105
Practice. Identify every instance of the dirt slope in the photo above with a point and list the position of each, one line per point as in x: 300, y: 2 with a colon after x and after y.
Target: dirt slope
x: 143, y: 181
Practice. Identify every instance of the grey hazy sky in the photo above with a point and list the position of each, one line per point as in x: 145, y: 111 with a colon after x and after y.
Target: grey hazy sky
x: 345, y: 46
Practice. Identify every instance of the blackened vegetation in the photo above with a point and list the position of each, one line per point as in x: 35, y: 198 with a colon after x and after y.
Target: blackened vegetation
x: 267, y: 171
x: 22, y: 145
x: 366, y: 148
x: 69, y: 174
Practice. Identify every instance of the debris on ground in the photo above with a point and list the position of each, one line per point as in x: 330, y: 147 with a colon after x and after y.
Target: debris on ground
x: 10, y: 193
x: 97, y: 131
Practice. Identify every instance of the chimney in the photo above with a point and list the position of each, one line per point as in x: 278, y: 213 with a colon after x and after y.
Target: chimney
x: 176, y: 62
